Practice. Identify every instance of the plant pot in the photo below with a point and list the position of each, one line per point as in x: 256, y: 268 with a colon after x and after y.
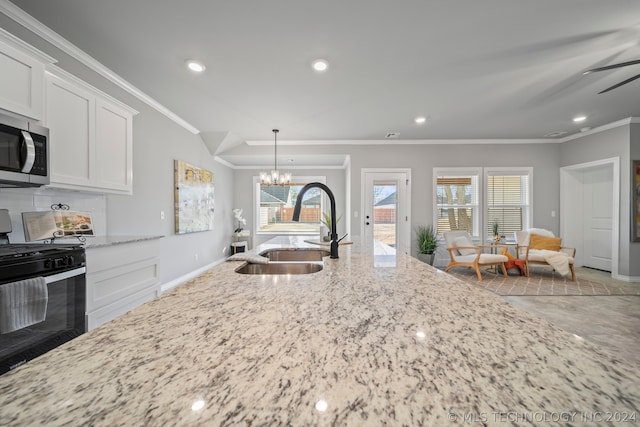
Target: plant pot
x: 426, y: 258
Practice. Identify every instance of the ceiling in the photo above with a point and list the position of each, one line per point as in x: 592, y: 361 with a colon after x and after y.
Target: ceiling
x: 491, y: 69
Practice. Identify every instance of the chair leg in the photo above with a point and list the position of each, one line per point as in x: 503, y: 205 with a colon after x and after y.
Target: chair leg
x: 478, y: 273
x: 504, y: 270
x: 573, y: 272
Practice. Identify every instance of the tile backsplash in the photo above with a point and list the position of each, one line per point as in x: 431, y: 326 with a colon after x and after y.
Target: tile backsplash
x: 19, y: 200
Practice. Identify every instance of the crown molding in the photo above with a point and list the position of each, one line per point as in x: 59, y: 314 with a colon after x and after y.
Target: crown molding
x: 54, y: 70
x: 259, y: 142
x: 224, y: 162
x: 608, y: 126
x: 30, y: 23
x: 12, y: 40
x: 270, y: 166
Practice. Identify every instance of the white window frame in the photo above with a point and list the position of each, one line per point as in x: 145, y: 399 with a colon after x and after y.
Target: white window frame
x: 502, y: 171
x: 482, y: 173
x: 457, y: 171
x: 296, y: 179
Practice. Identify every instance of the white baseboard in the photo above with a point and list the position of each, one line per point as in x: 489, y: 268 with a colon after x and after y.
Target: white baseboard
x: 189, y: 276
x: 626, y: 278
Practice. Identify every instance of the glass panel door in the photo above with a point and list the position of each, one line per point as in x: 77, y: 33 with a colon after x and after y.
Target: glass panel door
x: 386, y: 222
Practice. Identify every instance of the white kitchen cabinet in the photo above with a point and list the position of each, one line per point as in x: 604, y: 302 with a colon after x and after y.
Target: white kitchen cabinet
x: 22, y: 70
x: 114, y: 147
x: 91, y: 137
x: 119, y: 278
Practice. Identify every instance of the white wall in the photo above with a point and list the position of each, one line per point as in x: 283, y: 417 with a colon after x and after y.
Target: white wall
x: 157, y: 143
x: 610, y: 143
x: 421, y: 159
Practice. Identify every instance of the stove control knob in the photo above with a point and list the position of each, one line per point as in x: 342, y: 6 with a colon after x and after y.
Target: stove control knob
x: 48, y: 263
x: 58, y: 262
x: 70, y: 260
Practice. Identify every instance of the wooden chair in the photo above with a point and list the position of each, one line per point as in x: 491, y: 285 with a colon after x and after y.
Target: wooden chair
x: 532, y: 256
x: 464, y: 253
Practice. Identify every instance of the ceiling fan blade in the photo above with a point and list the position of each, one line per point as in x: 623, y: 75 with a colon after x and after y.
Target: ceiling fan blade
x: 611, y: 67
x: 620, y: 84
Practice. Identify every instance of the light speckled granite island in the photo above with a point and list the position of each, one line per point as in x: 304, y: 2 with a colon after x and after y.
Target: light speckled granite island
x: 354, y: 344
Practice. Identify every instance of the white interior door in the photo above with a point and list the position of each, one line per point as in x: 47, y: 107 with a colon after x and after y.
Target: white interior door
x: 597, y: 219
x: 590, y: 212
x: 385, y: 211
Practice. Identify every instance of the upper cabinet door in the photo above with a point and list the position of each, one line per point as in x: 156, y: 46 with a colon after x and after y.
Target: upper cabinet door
x: 114, y: 148
x: 21, y: 83
x: 91, y: 137
x: 70, y: 117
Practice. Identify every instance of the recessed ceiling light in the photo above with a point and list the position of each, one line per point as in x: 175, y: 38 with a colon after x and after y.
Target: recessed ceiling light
x: 420, y: 120
x: 195, y: 66
x: 554, y: 134
x: 579, y: 119
x: 320, y: 65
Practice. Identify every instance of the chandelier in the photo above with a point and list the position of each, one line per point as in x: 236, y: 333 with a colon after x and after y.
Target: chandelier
x: 275, y: 177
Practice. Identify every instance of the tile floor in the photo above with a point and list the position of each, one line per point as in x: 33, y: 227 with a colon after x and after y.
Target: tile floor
x: 613, y: 322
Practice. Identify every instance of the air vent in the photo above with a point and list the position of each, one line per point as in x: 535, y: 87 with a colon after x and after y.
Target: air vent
x: 392, y: 135
x: 555, y: 134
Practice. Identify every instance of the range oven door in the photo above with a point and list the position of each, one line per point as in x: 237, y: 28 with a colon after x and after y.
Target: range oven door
x: 64, y: 320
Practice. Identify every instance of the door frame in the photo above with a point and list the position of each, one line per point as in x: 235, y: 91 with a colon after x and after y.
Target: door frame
x: 568, y: 211
x: 363, y: 185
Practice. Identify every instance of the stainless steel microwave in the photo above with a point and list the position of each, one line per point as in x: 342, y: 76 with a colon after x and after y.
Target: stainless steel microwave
x: 24, y: 153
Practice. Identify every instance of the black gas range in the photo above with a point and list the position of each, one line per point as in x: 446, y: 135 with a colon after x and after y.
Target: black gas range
x: 49, y: 280
x: 21, y: 260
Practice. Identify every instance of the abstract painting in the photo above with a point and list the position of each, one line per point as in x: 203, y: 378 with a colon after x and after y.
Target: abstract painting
x: 194, y: 204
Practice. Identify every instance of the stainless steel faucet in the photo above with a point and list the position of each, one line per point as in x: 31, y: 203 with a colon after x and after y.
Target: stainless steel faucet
x: 334, y: 233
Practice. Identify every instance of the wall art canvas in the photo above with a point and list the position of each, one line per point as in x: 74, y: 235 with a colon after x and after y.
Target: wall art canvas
x: 194, y: 201
x: 635, y: 212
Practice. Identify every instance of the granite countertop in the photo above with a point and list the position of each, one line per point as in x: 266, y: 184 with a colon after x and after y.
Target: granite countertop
x: 353, y: 344
x: 101, y: 241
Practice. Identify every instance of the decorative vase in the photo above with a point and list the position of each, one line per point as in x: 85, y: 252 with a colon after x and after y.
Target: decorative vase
x: 324, y: 234
x: 426, y: 258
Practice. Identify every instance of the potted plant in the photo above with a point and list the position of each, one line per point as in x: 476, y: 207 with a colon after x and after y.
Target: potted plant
x: 495, y: 228
x: 427, y: 237
x: 326, y: 221
x: 241, y: 222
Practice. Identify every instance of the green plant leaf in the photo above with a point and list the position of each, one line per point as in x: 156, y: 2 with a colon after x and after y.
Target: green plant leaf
x: 427, y: 237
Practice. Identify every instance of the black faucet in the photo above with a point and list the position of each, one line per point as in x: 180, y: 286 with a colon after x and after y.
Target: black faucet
x: 334, y: 233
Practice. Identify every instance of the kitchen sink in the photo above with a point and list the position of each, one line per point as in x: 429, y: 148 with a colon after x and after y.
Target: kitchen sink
x: 295, y: 254
x: 280, y: 268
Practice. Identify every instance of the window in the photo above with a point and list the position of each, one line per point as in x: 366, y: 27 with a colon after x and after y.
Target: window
x: 275, y: 204
x: 457, y: 200
x: 505, y: 200
x: 508, y: 200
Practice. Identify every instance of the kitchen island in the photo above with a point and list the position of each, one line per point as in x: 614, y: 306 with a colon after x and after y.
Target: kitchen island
x: 361, y: 342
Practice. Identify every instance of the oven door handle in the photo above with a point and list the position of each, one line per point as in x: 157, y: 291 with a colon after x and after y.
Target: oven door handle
x: 64, y: 275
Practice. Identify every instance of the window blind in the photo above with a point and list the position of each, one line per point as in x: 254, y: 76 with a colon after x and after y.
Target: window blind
x: 508, y: 203
x: 457, y: 203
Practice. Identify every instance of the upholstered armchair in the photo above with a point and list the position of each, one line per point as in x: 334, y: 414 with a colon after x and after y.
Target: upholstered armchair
x: 542, y: 249
x: 464, y: 253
